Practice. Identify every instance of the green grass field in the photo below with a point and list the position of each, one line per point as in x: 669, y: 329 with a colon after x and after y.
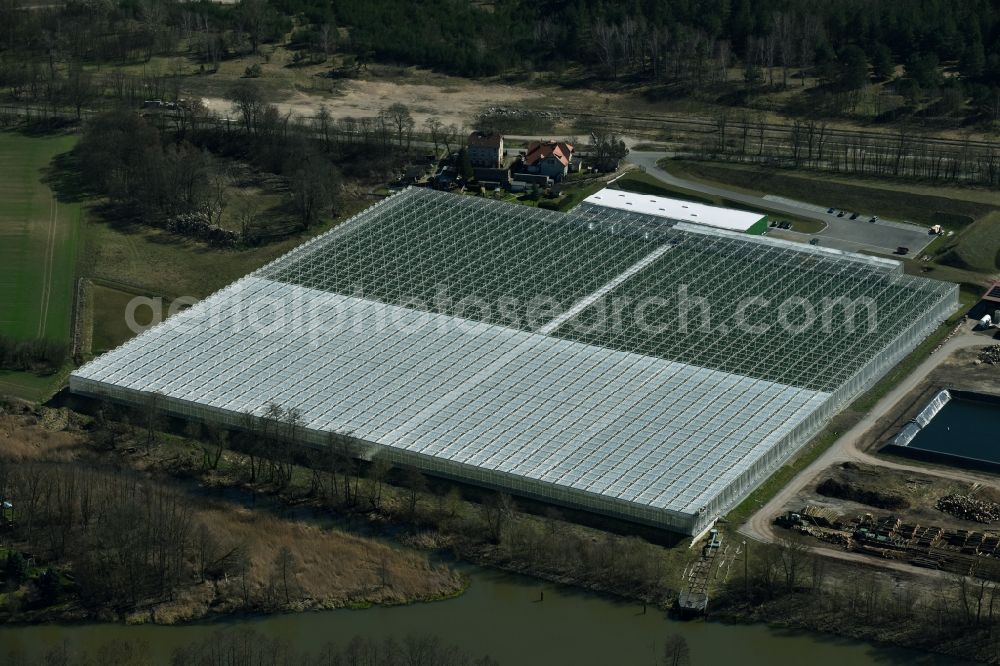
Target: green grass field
x: 977, y: 248
x: 38, y: 240
x: 147, y: 259
x: 110, y: 328
x: 643, y: 183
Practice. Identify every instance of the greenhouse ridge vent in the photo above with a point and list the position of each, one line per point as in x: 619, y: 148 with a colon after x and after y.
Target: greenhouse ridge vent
x: 545, y: 354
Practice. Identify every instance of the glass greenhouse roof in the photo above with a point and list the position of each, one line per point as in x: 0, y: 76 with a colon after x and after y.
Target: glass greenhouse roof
x: 542, y: 347
x: 558, y: 411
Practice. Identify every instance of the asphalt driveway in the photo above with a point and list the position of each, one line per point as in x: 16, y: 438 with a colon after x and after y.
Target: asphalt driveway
x: 841, y: 233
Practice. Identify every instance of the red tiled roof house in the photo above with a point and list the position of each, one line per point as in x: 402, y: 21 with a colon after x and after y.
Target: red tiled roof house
x: 549, y: 158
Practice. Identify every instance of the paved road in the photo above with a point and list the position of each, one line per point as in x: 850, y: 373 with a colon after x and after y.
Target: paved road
x: 840, y: 232
x: 760, y: 525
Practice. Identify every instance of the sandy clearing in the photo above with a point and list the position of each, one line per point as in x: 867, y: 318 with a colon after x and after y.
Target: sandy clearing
x: 357, y: 98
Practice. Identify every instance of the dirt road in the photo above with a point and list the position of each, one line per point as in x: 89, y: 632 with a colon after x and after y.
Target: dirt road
x: 760, y: 526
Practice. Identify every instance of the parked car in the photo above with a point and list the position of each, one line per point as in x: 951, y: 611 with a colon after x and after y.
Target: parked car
x: 829, y: 210
x: 854, y: 216
x: 840, y: 214
x: 814, y: 241
x: 902, y: 250
x: 874, y: 218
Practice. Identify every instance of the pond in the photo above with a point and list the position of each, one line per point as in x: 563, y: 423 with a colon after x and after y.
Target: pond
x: 964, y: 431
x: 501, y: 615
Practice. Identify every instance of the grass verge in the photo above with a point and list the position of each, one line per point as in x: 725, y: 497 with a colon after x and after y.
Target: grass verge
x: 151, y: 260
x: 110, y: 306
x: 572, y: 197
x: 32, y: 387
x: 643, y: 183
x: 924, y: 205
x: 977, y: 248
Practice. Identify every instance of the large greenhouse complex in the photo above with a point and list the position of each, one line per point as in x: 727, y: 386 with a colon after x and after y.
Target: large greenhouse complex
x: 629, y: 364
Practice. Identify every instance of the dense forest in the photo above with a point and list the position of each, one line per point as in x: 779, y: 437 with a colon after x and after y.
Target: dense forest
x: 480, y: 38
x: 648, y: 38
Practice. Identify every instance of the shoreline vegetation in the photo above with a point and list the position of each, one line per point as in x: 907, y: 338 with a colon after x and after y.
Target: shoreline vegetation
x: 92, y: 535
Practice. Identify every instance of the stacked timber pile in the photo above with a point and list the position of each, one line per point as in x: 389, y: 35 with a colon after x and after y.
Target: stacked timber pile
x: 969, y: 508
x: 990, y: 355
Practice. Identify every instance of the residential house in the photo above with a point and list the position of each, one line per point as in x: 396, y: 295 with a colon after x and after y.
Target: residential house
x: 549, y: 158
x: 485, y: 149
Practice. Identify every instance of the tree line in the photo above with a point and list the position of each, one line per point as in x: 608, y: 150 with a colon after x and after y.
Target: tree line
x: 747, y: 137
x: 38, y: 354
x: 788, y: 583
x: 127, y: 540
x: 177, y: 171
x: 268, y: 452
x: 174, y: 167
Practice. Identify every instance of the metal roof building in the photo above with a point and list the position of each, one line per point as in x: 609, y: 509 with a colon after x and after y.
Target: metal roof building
x: 600, y: 359
x: 679, y: 210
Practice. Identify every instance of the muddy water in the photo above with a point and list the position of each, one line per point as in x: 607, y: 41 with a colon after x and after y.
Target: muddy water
x: 501, y: 615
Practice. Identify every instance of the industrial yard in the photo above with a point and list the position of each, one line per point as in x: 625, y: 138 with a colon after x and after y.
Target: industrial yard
x: 929, y: 516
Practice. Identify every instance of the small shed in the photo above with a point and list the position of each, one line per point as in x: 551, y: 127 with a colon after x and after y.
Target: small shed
x: 533, y: 179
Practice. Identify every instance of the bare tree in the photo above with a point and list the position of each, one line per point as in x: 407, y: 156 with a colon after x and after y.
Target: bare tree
x: 79, y: 88
x: 151, y: 417
x: 416, y: 485
x: 676, y: 651
x: 248, y: 215
x: 498, y: 510
x: 607, y: 43
x: 314, y: 186
x: 378, y: 472
x: 793, y: 556
x: 449, y: 135
x: 285, y: 564
x: 398, y: 115
x: 721, y: 125
x: 783, y: 30
x: 322, y: 123
x: 434, y: 129
x: 253, y: 17
x: 215, y: 200
x: 242, y: 568
x: 248, y: 104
